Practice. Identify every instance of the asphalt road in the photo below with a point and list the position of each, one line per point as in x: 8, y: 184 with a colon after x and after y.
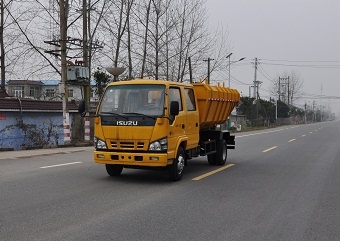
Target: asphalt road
x: 284, y: 184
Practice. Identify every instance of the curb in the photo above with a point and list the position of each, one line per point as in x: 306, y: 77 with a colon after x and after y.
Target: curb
x: 10, y: 155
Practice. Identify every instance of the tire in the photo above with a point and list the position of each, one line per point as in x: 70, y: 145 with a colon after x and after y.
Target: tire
x: 219, y: 158
x: 212, y: 159
x: 221, y: 152
x: 113, y: 170
x: 177, y: 167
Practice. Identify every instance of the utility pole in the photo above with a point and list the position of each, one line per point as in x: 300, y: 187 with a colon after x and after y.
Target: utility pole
x: 279, y: 89
x: 255, y: 79
x: 313, y: 110
x: 256, y: 82
x: 256, y: 90
x: 85, y: 54
x: 208, y: 60
x: 286, y: 90
x: 87, y: 131
x: 305, y: 112
x: 64, y: 88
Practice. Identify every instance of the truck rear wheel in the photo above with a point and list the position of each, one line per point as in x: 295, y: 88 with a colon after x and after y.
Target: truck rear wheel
x: 212, y: 159
x: 113, y: 170
x: 176, y: 168
x: 219, y: 158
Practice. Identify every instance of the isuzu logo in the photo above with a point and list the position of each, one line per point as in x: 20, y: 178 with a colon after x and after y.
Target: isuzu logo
x: 127, y: 123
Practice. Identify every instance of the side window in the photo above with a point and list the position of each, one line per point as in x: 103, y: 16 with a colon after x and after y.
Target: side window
x: 190, y: 99
x: 175, y: 95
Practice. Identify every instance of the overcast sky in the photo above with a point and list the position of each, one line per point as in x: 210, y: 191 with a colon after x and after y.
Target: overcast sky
x: 285, y: 35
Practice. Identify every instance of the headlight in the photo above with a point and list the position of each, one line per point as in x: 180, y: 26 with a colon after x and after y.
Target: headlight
x: 159, y: 145
x: 99, y: 144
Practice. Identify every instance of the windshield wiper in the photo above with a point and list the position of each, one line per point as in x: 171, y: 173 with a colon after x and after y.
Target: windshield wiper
x: 141, y: 114
x: 113, y: 113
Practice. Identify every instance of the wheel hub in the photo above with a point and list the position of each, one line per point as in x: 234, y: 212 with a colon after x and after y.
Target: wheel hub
x: 180, y: 165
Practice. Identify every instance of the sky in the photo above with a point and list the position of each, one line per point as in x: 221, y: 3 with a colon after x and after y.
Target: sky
x: 284, y: 35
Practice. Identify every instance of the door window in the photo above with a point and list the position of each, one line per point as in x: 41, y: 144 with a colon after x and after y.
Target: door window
x: 175, y: 95
x: 190, y: 99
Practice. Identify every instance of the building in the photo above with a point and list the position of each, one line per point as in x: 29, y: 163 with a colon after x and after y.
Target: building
x: 46, y: 90
x: 25, y: 89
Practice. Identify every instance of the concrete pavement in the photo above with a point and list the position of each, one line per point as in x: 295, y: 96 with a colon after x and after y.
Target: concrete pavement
x: 7, y: 155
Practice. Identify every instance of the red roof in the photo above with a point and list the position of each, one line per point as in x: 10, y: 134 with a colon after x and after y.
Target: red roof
x: 24, y: 82
x: 34, y: 105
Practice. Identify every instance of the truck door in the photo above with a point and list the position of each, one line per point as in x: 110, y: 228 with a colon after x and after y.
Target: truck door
x: 192, y: 117
x: 178, y: 125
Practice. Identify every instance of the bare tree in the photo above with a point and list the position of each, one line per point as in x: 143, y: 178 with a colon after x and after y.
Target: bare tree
x: 8, y: 38
x: 145, y: 41
x: 173, y: 32
x: 154, y: 38
x: 190, y: 30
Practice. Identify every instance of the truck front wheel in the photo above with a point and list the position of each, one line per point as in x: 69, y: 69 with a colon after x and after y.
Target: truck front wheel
x: 219, y: 158
x: 176, y: 168
x: 113, y: 170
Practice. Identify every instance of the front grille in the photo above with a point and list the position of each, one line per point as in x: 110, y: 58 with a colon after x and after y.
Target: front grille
x: 127, y: 145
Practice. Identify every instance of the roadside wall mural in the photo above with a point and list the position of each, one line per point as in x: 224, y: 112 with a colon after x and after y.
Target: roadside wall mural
x: 30, y: 130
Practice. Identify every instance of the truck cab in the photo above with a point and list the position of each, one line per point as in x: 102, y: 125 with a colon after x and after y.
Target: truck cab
x: 134, y: 127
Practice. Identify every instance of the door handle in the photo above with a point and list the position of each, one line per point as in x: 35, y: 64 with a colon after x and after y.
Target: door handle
x: 183, y: 126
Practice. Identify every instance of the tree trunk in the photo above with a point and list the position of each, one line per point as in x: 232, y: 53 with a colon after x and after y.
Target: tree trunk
x: 145, y: 39
x: 3, y: 68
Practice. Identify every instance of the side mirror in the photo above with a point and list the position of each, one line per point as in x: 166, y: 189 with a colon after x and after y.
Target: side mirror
x: 174, y: 108
x: 81, y: 108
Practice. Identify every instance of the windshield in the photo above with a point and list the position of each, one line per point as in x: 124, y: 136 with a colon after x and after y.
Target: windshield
x: 134, y: 99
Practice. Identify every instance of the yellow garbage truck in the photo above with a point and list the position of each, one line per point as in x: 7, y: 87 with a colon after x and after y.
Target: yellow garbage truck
x: 155, y: 124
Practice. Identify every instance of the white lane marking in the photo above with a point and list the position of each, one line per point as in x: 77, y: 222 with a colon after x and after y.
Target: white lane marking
x: 292, y: 140
x: 259, y: 133
x: 59, y: 165
x: 265, y: 132
x: 269, y: 149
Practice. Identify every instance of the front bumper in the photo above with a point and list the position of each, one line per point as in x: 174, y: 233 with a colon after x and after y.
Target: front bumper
x: 132, y: 159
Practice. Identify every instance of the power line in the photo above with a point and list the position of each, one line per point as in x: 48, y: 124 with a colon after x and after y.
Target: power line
x: 301, y: 61
x: 306, y: 65
x: 264, y: 73
x: 315, y: 96
x: 233, y: 79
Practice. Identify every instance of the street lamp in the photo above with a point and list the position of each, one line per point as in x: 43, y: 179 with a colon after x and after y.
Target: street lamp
x: 228, y: 56
x: 276, y: 111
